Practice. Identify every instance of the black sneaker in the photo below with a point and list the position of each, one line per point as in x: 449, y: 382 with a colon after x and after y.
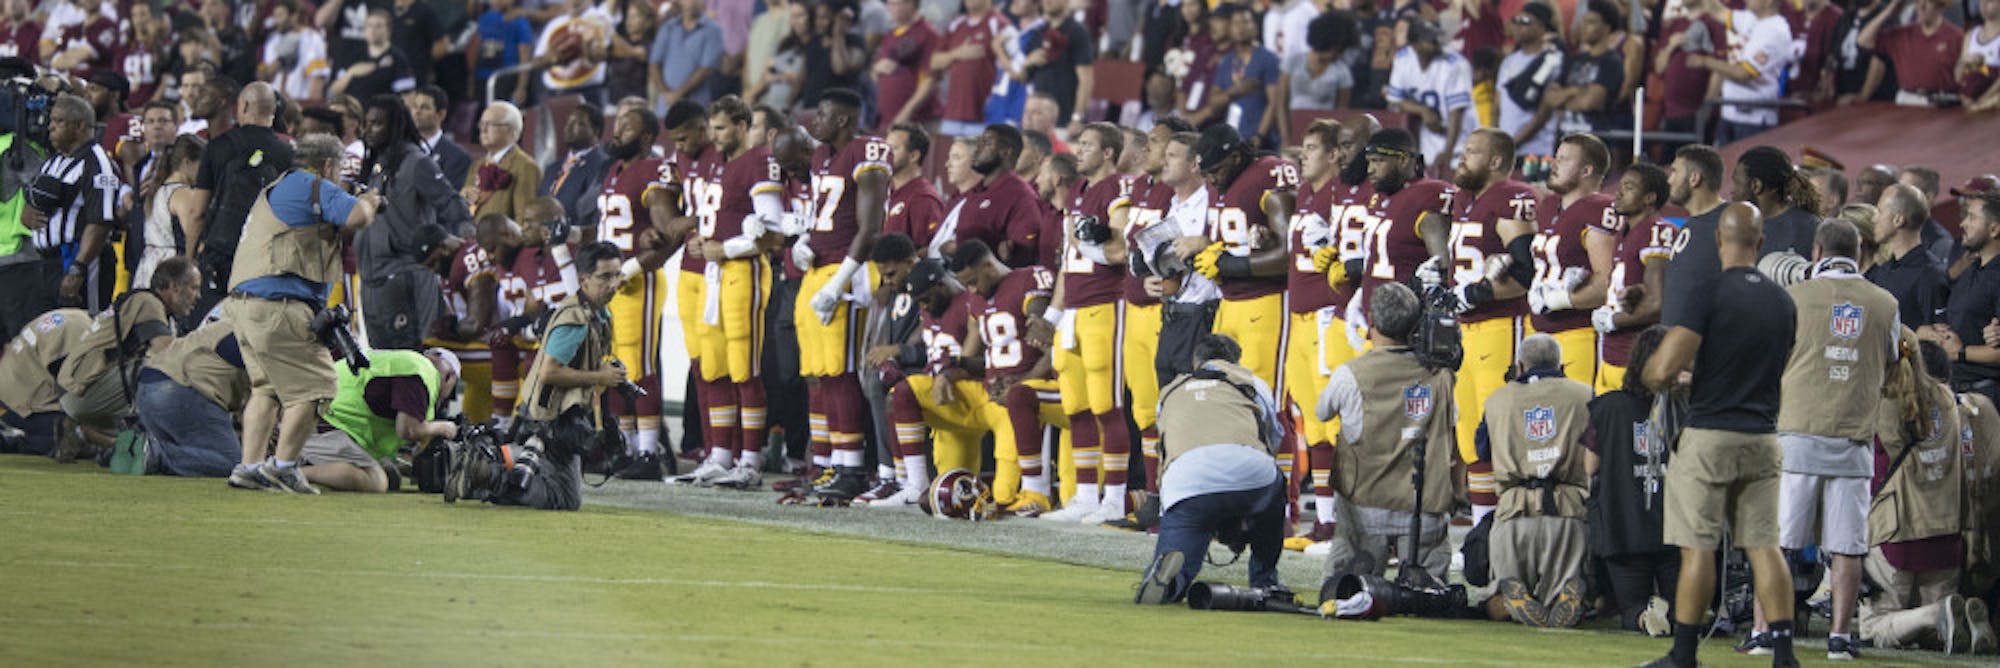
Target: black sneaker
x: 1159, y: 575
x: 1841, y: 649
x: 847, y: 483
x: 1757, y: 644
x: 472, y: 473
x: 644, y: 467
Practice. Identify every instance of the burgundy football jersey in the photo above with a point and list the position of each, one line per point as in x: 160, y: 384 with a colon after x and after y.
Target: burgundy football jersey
x: 1306, y: 289
x: 1049, y: 235
x: 701, y: 197
x: 836, y: 194
x: 1150, y: 199
x: 1639, y: 242
x: 22, y: 39
x: 621, y: 205
x: 1390, y: 239
x: 751, y: 174
x: 1474, y: 238
x: 970, y: 81
x: 100, y: 35
x: 1007, y: 209
x: 916, y: 210
x: 469, y: 263
x: 1003, y: 321
x: 141, y: 67
x: 1559, y: 247
x: 944, y: 333
x: 536, y: 275
x: 1235, y: 218
x: 1085, y: 282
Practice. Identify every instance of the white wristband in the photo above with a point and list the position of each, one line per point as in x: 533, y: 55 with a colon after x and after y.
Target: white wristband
x: 1051, y: 314
x: 845, y: 273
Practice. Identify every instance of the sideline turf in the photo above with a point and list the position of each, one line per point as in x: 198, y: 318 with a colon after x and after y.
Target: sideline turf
x: 98, y: 569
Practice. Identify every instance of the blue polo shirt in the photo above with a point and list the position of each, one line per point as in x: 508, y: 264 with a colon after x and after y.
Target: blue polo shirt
x: 291, y: 201
x: 678, y: 51
x: 1262, y: 67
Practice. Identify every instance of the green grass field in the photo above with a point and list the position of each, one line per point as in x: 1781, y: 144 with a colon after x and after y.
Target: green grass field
x: 97, y: 569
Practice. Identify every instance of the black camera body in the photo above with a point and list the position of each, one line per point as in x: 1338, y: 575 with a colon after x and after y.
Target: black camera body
x: 1437, y: 341
x: 24, y: 109
x: 330, y: 326
x: 1092, y: 230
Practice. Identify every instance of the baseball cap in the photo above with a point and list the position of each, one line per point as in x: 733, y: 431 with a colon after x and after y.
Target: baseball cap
x: 111, y: 80
x: 1813, y: 158
x: 1217, y: 142
x: 1978, y: 185
x: 1394, y: 142
x: 1537, y: 13
x: 924, y: 275
x: 449, y: 358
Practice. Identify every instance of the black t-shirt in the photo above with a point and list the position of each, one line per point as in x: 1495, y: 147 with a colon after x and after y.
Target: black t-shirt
x: 1694, y: 260
x: 1792, y: 230
x: 233, y: 169
x: 415, y: 30
x: 1746, y: 325
x: 1971, y: 306
x: 347, y: 42
x: 1057, y: 77
x: 1921, y: 290
x: 392, y: 75
x: 1580, y: 69
x: 1624, y: 519
x: 819, y: 70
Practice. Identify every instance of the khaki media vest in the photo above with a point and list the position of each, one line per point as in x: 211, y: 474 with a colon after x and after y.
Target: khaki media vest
x: 192, y: 361
x: 1538, y: 456
x: 1843, y: 348
x: 1923, y: 498
x: 1196, y: 412
x: 545, y: 402
x: 1398, y: 395
x: 272, y: 248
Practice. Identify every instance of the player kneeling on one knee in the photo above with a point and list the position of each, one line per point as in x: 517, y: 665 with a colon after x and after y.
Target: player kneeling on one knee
x: 1218, y: 478
x: 559, y: 399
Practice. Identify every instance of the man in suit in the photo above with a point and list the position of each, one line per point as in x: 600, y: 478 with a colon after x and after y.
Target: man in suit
x: 505, y: 181
x: 428, y: 107
x: 574, y: 180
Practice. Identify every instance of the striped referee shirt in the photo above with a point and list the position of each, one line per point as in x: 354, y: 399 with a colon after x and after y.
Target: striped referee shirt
x: 95, y: 183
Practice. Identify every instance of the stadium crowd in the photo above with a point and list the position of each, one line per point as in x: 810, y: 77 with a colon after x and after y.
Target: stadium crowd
x: 197, y: 194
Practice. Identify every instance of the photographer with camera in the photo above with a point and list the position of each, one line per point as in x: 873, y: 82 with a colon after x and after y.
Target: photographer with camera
x: 289, y: 260
x: 98, y: 378
x: 560, y: 400
x: 1393, y: 406
x: 1219, y: 428
x: 376, y: 409
x: 1533, y: 433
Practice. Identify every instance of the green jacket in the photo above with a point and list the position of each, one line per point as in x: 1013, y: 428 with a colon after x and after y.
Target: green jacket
x: 349, y: 411
x: 12, y: 182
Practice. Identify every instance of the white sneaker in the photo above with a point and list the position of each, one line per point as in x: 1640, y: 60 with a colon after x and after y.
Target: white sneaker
x: 740, y: 477
x: 1653, y: 620
x: 903, y: 498
x: 1103, y: 513
x: 1072, y: 513
x: 704, y: 475
x: 1318, y: 549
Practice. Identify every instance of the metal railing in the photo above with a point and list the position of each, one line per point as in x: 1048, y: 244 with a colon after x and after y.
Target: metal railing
x: 1700, y: 134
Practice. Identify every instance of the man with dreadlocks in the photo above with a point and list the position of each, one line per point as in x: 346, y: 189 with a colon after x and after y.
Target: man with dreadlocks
x: 401, y: 295
x: 1764, y: 176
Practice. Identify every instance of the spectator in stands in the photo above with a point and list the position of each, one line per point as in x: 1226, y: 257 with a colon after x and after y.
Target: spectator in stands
x: 834, y: 56
x: 1924, y: 53
x: 345, y: 24
x: 1160, y: 28
x: 383, y: 69
x: 420, y: 213
x: 1979, y: 70
x: 204, y: 102
x: 905, y: 91
x: 577, y: 177
x: 423, y: 39
x: 1318, y: 77
x: 969, y: 61
x: 428, y: 107
x: 1040, y: 116
x: 1245, y: 84
x: 1058, y: 62
x: 85, y: 46
x: 1436, y: 86
x: 1584, y: 98
x: 1815, y: 25
x: 779, y: 85
x: 1760, y: 50
x: 505, y: 180
x: 1036, y: 149
x: 1908, y: 269
x: 572, y: 48
x: 294, y: 54
x: 628, y: 67
x: 1525, y: 77
x: 1975, y: 292
x: 685, y: 53
x: 761, y: 45
x: 1197, y: 46
x: 1287, y: 26
x: 506, y: 39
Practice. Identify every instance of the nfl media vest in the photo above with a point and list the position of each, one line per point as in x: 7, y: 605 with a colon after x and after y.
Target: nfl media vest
x: 272, y: 248
x: 1199, y: 412
x: 1398, y: 394
x: 1979, y: 425
x: 1922, y: 498
x: 1538, y: 458
x: 545, y: 402
x: 349, y: 411
x: 1841, y: 355
x: 193, y: 361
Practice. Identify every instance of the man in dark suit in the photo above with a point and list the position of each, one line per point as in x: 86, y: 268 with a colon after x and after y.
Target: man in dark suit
x: 428, y: 106
x: 574, y: 179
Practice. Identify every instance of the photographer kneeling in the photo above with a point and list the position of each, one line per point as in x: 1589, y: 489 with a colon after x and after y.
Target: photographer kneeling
x: 287, y: 261
x: 376, y: 409
x: 1218, y: 480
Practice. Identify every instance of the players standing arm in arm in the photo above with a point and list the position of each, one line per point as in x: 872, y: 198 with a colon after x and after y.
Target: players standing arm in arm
x: 1645, y: 309
x: 1596, y: 289
x: 1269, y: 260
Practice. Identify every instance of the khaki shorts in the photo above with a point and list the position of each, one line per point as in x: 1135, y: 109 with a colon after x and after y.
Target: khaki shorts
x: 334, y: 447
x: 281, y: 354
x: 1723, y: 481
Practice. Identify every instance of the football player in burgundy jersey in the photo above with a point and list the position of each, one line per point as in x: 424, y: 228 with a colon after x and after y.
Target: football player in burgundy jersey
x: 1576, y: 241
x: 748, y: 196
x: 1150, y: 198
x: 1407, y: 225
x: 535, y: 272
x: 1089, y: 353
x: 1316, y: 346
x: 472, y: 294
x: 916, y: 210
x: 1020, y: 387
x: 637, y: 200
x: 1639, y: 275
x: 1002, y: 210
x: 695, y: 170
x: 945, y: 399
x: 850, y: 186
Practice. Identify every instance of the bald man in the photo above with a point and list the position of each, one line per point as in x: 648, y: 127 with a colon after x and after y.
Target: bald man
x: 234, y: 169
x: 1737, y: 337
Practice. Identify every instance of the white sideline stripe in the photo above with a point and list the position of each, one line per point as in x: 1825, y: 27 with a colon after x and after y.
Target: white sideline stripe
x: 488, y: 633
x: 417, y: 574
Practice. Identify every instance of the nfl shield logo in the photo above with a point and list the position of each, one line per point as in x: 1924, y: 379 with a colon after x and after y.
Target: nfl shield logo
x: 1642, y: 445
x: 1417, y: 401
x: 1541, y: 423
x: 1846, y: 320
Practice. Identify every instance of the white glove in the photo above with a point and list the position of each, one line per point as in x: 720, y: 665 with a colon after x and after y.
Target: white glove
x: 802, y: 255
x: 1314, y: 231
x: 792, y: 224
x: 1545, y: 297
x: 1601, y: 318
x: 1573, y: 278
x: 1429, y: 275
x: 828, y: 298
x: 1357, y: 323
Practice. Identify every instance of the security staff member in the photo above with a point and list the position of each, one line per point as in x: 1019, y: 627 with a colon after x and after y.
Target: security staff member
x: 187, y: 398
x: 1533, y: 433
x: 1380, y: 397
x: 1218, y: 480
x: 375, y: 410
x: 287, y: 262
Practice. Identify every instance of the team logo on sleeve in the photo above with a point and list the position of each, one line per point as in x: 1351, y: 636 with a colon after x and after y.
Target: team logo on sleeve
x: 1541, y: 423
x: 1417, y: 401
x: 1846, y: 320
